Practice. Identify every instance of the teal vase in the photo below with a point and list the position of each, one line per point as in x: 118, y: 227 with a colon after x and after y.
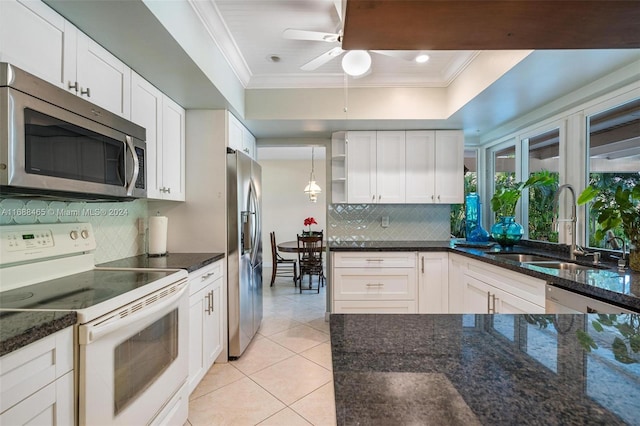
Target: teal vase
x: 506, y: 231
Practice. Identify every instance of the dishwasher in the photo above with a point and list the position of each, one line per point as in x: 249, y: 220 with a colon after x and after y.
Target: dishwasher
x: 560, y: 301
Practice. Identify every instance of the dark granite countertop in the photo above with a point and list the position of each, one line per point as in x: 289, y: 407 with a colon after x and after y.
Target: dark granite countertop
x: 485, y: 369
x: 607, y: 284
x: 18, y: 329
x: 189, y: 261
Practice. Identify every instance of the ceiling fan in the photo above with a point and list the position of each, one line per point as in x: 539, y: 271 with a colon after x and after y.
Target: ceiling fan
x: 355, y: 62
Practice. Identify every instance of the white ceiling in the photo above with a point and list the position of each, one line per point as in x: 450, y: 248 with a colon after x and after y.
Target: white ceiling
x: 248, y: 32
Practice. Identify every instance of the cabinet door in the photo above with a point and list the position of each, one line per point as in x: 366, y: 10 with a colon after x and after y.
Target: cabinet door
x: 433, y: 283
x: 390, y: 167
x: 173, y: 150
x: 361, y: 167
x: 235, y: 129
x: 421, y: 164
x: 477, y: 296
x: 35, y: 38
x: 457, y: 266
x: 103, y: 78
x: 507, y: 303
x: 212, y: 341
x: 248, y: 143
x: 197, y: 312
x: 449, y: 166
x: 146, y: 111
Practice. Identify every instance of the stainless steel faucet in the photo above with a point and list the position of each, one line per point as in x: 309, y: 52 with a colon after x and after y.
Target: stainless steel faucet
x: 622, y: 262
x: 573, y: 220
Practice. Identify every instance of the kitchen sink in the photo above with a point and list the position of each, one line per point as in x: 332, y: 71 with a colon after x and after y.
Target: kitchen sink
x: 523, y: 258
x: 556, y: 264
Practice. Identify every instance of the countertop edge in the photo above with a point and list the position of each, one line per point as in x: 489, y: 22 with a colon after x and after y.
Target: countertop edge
x: 32, y: 333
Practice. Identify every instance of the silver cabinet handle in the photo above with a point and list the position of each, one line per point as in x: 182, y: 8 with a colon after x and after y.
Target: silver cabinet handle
x: 86, y: 92
x: 422, y: 262
x: 169, y: 190
x: 432, y: 198
x: 488, y: 302
x: 375, y: 285
x: 211, y: 302
x: 373, y: 197
x: 438, y: 198
x: 493, y: 306
x: 379, y: 197
x: 491, y: 303
x: 73, y: 86
x: 375, y: 260
x: 205, y: 276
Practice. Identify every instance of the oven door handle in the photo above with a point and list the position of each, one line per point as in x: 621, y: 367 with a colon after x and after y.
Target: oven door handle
x: 91, y: 332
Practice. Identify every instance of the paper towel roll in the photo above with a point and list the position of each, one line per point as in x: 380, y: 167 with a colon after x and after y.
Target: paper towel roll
x: 158, y: 235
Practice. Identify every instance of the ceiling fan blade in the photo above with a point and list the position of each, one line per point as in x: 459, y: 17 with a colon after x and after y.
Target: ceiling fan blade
x: 322, y: 59
x: 292, y: 34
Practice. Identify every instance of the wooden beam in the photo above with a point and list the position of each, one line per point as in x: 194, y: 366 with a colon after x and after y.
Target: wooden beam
x: 491, y: 25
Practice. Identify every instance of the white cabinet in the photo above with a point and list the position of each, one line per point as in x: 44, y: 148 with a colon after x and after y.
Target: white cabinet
x: 40, y: 41
x: 376, y: 167
x: 338, y: 167
x: 375, y: 282
x: 36, y: 382
x: 482, y: 288
x: 435, y: 166
x: 433, y: 283
x: 240, y: 138
x: 164, y: 121
x: 35, y: 38
x: 205, y: 320
x: 395, y: 167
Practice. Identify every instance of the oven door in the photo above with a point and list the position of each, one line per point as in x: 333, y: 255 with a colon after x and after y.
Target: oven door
x: 134, y: 361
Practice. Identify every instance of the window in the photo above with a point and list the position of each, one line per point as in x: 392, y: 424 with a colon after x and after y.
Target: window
x: 544, y: 155
x: 470, y: 185
x: 504, y: 171
x: 614, y: 158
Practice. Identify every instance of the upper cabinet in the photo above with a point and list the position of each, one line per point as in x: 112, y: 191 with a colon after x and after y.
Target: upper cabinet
x: 396, y: 167
x: 165, y: 124
x: 435, y: 166
x: 37, y: 39
x: 240, y: 138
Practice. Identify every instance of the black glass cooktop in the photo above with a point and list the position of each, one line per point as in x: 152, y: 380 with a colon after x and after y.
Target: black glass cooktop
x: 78, y: 291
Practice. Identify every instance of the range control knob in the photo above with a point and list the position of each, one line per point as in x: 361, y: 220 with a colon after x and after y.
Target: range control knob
x: 74, y: 235
x: 84, y: 234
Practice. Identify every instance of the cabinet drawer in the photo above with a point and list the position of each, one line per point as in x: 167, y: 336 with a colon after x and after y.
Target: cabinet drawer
x: 374, y: 307
x: 395, y: 259
x: 26, y: 370
x: 377, y: 284
x: 204, y: 276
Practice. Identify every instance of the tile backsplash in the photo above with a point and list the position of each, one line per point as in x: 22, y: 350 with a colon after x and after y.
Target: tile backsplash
x: 407, y: 222
x: 115, y: 224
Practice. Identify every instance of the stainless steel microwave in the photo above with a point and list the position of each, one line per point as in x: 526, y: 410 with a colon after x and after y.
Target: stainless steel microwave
x: 56, y: 144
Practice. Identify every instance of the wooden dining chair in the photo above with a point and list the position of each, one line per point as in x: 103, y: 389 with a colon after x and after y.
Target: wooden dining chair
x: 277, y: 259
x: 310, y: 249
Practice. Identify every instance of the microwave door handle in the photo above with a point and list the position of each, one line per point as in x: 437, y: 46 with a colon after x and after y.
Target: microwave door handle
x: 136, y: 165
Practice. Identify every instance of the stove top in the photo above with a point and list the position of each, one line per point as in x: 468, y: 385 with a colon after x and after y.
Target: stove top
x: 51, y: 268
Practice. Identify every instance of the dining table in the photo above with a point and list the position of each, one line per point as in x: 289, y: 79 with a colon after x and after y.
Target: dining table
x: 292, y: 246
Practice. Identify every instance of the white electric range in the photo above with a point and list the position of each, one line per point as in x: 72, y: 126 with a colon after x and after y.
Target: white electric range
x: 132, y: 327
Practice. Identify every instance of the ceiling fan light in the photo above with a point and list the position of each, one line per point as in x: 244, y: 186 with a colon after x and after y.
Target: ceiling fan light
x: 422, y: 58
x: 356, y: 62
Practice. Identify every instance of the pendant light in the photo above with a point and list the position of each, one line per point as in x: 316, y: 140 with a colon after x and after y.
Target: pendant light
x: 312, y: 188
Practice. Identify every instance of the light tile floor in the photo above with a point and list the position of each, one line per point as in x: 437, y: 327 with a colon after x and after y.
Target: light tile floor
x: 284, y: 377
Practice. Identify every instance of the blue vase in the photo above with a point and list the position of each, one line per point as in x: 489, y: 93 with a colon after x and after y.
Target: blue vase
x: 506, y: 231
x: 473, y: 222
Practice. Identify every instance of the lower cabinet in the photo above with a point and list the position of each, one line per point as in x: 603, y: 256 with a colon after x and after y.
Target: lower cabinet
x: 479, y: 288
x: 205, y: 320
x: 37, y: 384
x: 433, y: 283
x: 374, y: 282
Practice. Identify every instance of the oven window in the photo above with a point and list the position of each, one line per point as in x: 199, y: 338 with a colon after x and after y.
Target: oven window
x: 60, y: 149
x: 143, y: 357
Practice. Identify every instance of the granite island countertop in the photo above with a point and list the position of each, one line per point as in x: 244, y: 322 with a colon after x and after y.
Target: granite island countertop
x: 606, y: 283
x: 20, y: 328
x: 483, y: 369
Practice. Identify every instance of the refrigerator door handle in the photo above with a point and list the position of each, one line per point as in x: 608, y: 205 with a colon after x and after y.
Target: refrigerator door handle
x: 256, y: 230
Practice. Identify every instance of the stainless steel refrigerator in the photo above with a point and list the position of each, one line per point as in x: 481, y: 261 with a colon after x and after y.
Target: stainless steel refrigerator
x: 244, y: 243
